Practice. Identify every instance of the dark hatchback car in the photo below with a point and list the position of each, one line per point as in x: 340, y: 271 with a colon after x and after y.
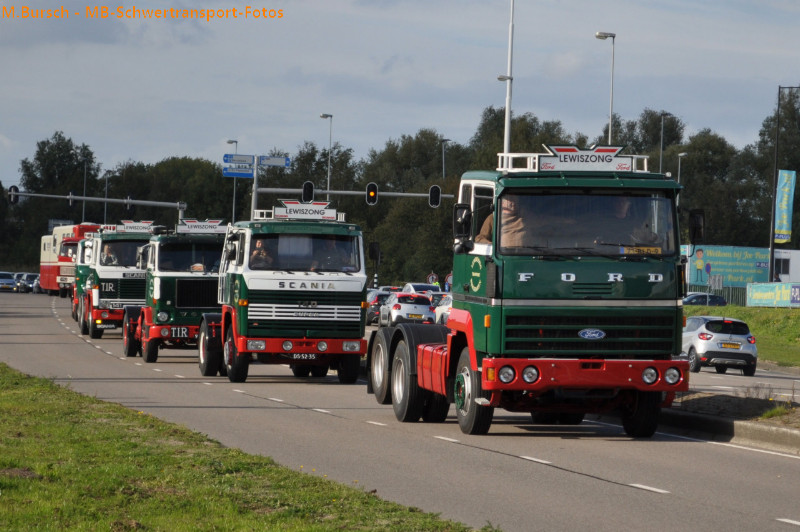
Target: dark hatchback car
x: 709, y: 300
x: 376, y: 298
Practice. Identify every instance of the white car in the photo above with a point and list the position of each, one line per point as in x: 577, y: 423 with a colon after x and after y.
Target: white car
x: 401, y: 307
x: 442, y: 310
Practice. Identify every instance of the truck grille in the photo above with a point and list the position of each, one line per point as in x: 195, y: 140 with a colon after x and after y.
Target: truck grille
x: 301, y: 313
x: 630, y: 335
x: 128, y: 289
x: 196, y: 293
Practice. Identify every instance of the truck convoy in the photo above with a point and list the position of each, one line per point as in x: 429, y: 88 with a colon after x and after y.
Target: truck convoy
x: 181, y: 270
x: 112, y: 278
x: 57, y: 257
x: 292, y: 287
x: 567, y: 287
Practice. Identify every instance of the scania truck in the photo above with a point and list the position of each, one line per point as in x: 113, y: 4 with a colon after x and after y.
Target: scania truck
x: 181, y: 271
x: 292, y: 288
x: 567, y: 287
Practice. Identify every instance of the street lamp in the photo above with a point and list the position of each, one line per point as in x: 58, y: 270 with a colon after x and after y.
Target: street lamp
x: 444, y: 142
x: 236, y: 150
x: 508, y: 78
x: 603, y: 35
x: 330, y: 147
x: 680, y: 156
x: 83, y: 215
x: 661, y: 153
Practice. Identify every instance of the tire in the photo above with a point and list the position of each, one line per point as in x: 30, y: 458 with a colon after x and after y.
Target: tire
x: 74, y: 312
x: 694, y: 361
x: 640, y: 419
x: 150, y: 351
x: 319, y: 372
x: 570, y: 418
x: 235, y: 365
x: 721, y: 369
x: 349, y: 367
x: 301, y: 372
x: 749, y: 371
x: 130, y: 345
x: 544, y: 418
x: 209, y: 352
x: 379, y: 372
x: 407, y: 398
x: 82, y: 324
x: 472, y: 417
x: 94, y: 332
x: 435, y: 409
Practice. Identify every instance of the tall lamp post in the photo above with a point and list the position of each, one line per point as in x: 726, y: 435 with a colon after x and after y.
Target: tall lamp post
x: 236, y: 150
x: 83, y: 214
x: 680, y: 156
x: 661, y: 152
x: 508, y: 78
x: 330, y: 146
x: 444, y: 142
x: 775, y: 187
x: 603, y: 35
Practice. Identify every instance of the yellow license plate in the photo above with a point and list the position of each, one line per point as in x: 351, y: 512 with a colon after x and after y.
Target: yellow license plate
x: 415, y: 316
x: 730, y: 345
x: 639, y: 250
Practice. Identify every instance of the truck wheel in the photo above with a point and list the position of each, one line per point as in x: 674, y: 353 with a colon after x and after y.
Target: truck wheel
x: 82, y: 324
x: 209, y: 352
x: 436, y: 408
x: 379, y: 368
x: 130, y: 345
x: 301, y: 372
x: 74, y: 311
x: 472, y: 417
x: 407, y: 399
x: 94, y: 332
x: 236, y: 365
x: 319, y: 371
x: 694, y: 361
x: 640, y: 419
x: 349, y: 367
x: 150, y: 351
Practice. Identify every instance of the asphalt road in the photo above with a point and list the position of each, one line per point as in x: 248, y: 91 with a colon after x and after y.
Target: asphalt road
x: 518, y: 477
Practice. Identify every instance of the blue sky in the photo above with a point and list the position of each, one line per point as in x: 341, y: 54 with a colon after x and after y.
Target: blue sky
x: 144, y: 90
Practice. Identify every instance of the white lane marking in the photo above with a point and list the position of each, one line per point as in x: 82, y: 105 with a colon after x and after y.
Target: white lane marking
x: 321, y: 410
x: 376, y: 423
x: 238, y: 391
x: 139, y: 364
x: 724, y: 387
x: 537, y: 460
x: 275, y: 399
x: 648, y: 488
x: 788, y: 521
x: 156, y: 369
x: 99, y: 347
x: 451, y: 440
x: 732, y: 445
x: 180, y: 376
x: 209, y: 383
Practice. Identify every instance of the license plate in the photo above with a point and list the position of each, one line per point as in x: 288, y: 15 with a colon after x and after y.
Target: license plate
x: 640, y: 250
x: 179, y: 332
x: 303, y: 356
x: 415, y: 316
x: 729, y: 345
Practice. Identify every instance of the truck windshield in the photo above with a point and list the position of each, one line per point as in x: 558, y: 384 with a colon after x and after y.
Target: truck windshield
x: 120, y: 252
x: 68, y: 250
x: 189, y: 256
x: 587, y: 223
x: 298, y: 252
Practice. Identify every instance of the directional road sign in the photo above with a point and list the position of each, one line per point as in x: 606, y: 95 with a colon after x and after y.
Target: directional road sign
x: 233, y: 158
x: 265, y: 160
x: 238, y: 172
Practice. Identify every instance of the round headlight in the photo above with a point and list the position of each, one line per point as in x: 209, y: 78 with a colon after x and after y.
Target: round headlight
x: 287, y: 345
x: 649, y: 375
x: 672, y: 376
x: 165, y: 332
x: 506, y: 374
x: 530, y: 374
x: 104, y: 315
x: 162, y: 316
x: 322, y: 346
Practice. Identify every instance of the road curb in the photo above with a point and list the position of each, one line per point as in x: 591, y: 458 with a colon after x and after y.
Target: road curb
x: 733, y: 431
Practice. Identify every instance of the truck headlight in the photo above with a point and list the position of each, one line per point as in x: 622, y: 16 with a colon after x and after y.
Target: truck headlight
x: 530, y: 374
x: 650, y: 375
x: 256, y: 345
x: 162, y: 316
x: 672, y: 376
x: 506, y: 374
x: 351, y: 346
x: 322, y: 346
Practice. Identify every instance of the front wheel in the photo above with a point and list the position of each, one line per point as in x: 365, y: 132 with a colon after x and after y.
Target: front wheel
x: 472, y: 417
x: 235, y: 364
x: 694, y: 361
x: 150, y: 351
x: 749, y: 371
x: 82, y: 320
x: 640, y: 418
x: 94, y: 332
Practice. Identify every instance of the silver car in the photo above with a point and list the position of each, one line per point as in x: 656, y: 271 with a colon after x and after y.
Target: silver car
x: 401, y: 307
x: 719, y: 342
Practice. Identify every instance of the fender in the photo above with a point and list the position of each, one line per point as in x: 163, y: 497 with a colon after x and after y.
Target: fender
x: 460, y: 321
x: 145, y: 321
x: 416, y: 334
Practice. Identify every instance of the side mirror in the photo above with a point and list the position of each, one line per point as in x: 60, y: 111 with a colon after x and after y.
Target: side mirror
x: 696, y: 226
x: 462, y: 221
x: 230, y: 252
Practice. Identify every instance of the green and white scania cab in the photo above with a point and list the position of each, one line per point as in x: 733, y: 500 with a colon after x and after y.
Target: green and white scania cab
x: 567, y: 287
x: 111, y: 280
x: 292, y: 285
x: 181, y: 274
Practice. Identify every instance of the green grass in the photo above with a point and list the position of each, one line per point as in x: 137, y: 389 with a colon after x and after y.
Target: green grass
x: 777, y: 330
x: 68, y: 461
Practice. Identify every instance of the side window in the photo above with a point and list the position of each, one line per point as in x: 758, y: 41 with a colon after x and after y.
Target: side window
x: 482, y: 202
x: 691, y: 325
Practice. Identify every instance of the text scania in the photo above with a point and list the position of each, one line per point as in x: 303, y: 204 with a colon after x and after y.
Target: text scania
x: 302, y: 285
x: 584, y: 158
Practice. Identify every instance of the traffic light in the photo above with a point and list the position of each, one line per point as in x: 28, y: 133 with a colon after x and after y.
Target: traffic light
x: 13, y: 198
x: 435, y: 196
x: 308, y: 192
x: 372, y: 193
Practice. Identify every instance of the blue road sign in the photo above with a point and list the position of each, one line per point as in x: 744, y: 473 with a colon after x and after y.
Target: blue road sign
x: 265, y: 160
x: 234, y: 158
x: 237, y: 172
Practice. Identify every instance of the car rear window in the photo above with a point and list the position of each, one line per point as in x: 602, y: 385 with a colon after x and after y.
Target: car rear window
x: 727, y: 327
x: 414, y: 300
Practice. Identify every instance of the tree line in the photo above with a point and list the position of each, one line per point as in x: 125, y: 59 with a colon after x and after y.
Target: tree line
x: 733, y: 186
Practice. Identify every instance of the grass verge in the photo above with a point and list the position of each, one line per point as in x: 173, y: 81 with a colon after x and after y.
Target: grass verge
x: 68, y: 461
